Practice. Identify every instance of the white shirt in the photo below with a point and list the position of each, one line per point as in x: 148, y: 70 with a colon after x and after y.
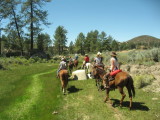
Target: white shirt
x: 97, y: 60
x: 115, y: 62
x: 62, y: 65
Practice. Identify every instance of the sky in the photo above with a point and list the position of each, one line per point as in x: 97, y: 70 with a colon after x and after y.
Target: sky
x: 122, y: 19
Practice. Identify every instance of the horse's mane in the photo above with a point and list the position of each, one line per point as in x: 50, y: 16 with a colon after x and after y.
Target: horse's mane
x: 100, y: 71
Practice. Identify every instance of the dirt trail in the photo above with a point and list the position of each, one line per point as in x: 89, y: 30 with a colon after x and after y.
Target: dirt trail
x: 117, y: 113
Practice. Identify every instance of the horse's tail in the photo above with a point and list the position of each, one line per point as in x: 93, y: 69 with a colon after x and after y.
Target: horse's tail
x: 132, y: 86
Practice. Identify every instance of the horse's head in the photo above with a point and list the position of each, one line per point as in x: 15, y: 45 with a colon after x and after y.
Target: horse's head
x: 98, y: 70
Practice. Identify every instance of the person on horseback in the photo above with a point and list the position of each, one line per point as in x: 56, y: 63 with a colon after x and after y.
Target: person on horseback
x: 86, y: 60
x: 70, y: 59
x: 98, y: 60
x: 114, y: 66
x: 62, y: 65
x: 76, y: 57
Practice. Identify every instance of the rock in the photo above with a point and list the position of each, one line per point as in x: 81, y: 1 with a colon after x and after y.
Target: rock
x: 79, y: 75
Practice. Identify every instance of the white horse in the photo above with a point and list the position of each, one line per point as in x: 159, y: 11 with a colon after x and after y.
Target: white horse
x: 88, y: 67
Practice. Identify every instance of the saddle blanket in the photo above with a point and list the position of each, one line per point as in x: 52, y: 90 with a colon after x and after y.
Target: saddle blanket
x: 115, y: 72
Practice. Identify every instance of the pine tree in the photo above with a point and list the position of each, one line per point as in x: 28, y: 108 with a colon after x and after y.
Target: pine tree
x: 60, y: 39
x: 35, y: 16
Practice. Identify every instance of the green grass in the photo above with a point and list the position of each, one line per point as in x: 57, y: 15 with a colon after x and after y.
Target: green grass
x: 33, y: 93
x: 26, y: 89
x: 84, y: 102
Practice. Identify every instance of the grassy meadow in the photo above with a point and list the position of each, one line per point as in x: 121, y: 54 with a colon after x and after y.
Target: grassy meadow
x: 33, y: 92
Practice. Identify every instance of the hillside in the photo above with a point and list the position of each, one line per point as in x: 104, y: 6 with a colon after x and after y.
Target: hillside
x: 144, y: 39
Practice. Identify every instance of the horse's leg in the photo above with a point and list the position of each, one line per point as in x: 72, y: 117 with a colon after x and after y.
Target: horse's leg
x: 107, y: 96
x: 62, y: 83
x: 123, y: 95
x: 98, y: 84
x: 130, y: 96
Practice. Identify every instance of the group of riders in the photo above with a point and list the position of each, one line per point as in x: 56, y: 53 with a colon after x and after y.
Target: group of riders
x: 98, y: 61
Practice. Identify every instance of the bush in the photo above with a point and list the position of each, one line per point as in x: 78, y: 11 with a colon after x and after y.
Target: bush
x: 1, y: 66
x: 141, y: 81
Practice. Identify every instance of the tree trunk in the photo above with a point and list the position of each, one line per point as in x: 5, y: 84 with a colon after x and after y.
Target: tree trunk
x: 17, y: 28
x: 59, y: 49
x: 31, y: 25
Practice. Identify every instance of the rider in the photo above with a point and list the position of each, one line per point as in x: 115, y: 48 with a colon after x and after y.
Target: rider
x: 62, y: 65
x: 70, y: 59
x: 86, y: 60
x: 76, y: 57
x: 98, y: 60
x: 114, y: 66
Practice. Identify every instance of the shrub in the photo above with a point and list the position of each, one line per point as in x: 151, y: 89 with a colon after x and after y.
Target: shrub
x: 141, y: 81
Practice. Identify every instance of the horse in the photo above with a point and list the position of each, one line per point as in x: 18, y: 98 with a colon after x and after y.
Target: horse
x: 88, y: 67
x: 70, y: 66
x: 122, y: 79
x: 75, y: 63
x: 98, y: 77
x: 63, y: 75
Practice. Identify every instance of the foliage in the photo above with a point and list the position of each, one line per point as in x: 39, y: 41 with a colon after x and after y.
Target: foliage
x: 60, y: 39
x: 143, y: 80
x: 140, y: 42
x: 35, y: 16
x: 71, y: 48
x: 79, y: 43
x: 43, y: 42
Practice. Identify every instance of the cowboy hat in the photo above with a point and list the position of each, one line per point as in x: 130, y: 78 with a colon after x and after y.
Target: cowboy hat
x: 99, y: 53
x: 62, y: 59
x: 86, y: 54
x: 113, y: 54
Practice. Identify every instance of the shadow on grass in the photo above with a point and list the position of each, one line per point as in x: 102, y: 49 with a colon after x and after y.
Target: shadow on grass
x: 135, y: 105
x: 73, y: 89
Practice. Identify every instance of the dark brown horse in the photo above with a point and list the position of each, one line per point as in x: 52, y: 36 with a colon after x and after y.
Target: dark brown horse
x: 63, y: 75
x: 70, y: 66
x: 75, y: 63
x: 98, y: 77
x: 122, y: 79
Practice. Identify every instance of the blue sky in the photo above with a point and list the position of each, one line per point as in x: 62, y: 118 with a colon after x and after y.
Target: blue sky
x: 122, y: 19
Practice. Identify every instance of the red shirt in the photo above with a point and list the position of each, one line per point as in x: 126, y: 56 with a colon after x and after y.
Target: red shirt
x: 86, y: 59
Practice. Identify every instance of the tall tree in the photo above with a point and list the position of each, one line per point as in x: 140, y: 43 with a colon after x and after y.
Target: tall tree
x: 60, y: 39
x: 79, y: 44
x: 8, y: 10
x: 15, y: 23
x: 105, y: 42
x: 115, y: 45
x: 94, y: 41
x: 71, y: 48
x: 34, y: 14
x: 43, y: 42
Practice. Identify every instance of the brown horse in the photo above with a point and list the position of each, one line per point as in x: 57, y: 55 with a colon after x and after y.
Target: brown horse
x: 63, y: 75
x: 75, y: 63
x: 70, y: 66
x: 122, y: 79
x: 98, y: 77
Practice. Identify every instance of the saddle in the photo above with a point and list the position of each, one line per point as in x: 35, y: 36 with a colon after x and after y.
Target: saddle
x: 113, y: 74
